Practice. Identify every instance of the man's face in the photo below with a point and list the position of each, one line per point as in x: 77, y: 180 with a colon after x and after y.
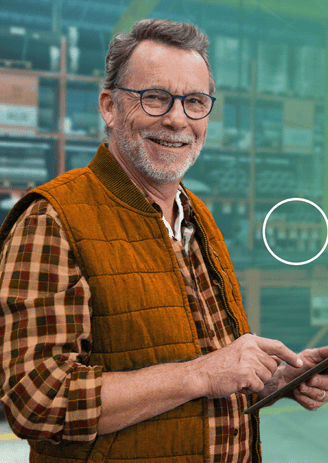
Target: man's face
x: 159, y: 148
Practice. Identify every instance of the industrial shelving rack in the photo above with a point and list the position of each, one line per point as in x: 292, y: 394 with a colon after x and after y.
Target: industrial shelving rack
x: 60, y: 137
x: 253, y: 97
x: 252, y: 279
x: 298, y: 286
x: 251, y: 198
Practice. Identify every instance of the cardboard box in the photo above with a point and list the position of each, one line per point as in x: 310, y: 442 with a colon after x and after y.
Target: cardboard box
x: 231, y: 62
x: 18, y: 103
x: 272, y: 73
x: 298, y: 126
x: 310, y: 72
x: 319, y: 303
x: 19, y: 90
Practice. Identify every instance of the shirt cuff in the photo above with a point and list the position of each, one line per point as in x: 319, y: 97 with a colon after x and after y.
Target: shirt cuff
x: 83, y: 405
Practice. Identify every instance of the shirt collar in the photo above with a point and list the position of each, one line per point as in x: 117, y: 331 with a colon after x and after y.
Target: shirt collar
x: 184, y: 212
x: 176, y: 232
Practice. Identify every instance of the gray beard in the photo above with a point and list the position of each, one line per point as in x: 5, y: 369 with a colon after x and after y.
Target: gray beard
x: 139, y: 158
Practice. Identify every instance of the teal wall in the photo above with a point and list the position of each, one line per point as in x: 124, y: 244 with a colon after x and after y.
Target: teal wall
x: 265, y: 145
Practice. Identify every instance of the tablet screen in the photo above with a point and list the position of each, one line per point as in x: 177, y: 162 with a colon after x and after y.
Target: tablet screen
x: 288, y: 387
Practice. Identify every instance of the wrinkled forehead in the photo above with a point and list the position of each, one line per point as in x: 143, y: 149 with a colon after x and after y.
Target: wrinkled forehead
x: 152, y: 62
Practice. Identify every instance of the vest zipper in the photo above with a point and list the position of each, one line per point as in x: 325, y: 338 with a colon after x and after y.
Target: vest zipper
x: 217, y: 257
x: 237, y: 332
x: 257, y: 443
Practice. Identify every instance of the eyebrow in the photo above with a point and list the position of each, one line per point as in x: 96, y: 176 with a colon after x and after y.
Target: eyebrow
x: 160, y: 87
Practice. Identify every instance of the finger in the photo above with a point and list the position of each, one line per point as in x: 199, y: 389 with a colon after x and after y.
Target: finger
x: 250, y: 382
x: 256, y: 385
x: 277, y: 348
x: 276, y: 359
x: 314, y: 393
x: 306, y: 401
x: 319, y: 381
x: 316, y: 355
x: 264, y: 373
x: 271, y: 363
x: 264, y: 364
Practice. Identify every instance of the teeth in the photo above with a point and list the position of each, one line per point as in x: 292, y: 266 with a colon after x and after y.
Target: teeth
x: 165, y: 143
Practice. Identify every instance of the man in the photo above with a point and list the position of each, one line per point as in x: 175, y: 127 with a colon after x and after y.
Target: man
x: 124, y: 336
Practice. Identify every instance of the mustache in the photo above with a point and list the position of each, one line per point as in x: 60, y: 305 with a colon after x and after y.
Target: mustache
x: 168, y: 136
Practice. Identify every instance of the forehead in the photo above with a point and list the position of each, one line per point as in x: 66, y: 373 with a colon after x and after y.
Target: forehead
x: 153, y: 63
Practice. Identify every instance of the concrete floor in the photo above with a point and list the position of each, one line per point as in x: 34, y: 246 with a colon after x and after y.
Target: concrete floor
x: 289, y: 434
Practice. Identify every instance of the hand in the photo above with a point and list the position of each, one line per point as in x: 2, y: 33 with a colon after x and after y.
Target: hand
x: 309, y: 394
x: 244, y: 366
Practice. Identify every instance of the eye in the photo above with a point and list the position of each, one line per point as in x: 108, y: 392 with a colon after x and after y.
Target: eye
x: 194, y: 100
x: 197, y: 100
x: 156, y: 97
x: 151, y: 96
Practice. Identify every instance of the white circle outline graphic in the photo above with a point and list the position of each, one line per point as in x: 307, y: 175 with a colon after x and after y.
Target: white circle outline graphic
x: 265, y: 222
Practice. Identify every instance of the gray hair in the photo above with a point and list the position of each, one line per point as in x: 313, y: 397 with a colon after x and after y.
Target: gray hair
x: 181, y: 35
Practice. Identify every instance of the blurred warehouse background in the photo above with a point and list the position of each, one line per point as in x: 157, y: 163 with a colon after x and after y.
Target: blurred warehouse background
x: 267, y: 137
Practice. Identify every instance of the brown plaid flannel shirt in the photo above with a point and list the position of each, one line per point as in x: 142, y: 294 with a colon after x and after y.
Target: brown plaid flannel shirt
x: 46, y: 390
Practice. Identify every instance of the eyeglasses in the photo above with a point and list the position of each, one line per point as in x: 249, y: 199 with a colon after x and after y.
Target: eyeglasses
x: 157, y: 102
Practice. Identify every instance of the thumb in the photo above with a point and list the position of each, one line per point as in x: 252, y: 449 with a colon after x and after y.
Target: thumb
x: 318, y: 354
x: 276, y: 359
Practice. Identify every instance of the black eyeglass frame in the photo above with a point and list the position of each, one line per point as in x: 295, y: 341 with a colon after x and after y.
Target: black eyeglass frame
x: 173, y: 97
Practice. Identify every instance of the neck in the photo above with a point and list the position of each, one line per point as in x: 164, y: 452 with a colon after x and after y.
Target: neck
x: 164, y: 196
x: 162, y: 193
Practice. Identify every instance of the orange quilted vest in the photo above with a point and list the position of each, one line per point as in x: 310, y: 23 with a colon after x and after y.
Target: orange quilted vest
x: 141, y: 314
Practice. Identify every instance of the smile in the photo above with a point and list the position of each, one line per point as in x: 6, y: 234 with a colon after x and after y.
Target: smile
x: 166, y: 143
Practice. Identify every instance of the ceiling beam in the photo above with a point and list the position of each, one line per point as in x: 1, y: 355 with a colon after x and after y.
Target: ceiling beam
x: 316, y: 9
x: 96, y: 6
x: 57, y: 16
x: 137, y: 9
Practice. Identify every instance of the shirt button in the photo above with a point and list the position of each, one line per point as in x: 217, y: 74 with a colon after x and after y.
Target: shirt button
x: 98, y: 457
x: 235, y: 432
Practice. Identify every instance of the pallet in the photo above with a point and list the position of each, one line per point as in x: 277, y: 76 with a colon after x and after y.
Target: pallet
x: 14, y: 64
x: 12, y: 184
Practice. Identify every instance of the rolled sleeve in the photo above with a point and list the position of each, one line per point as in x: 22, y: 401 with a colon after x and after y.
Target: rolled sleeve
x: 47, y: 390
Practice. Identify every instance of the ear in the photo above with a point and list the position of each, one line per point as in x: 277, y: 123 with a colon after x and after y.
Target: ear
x: 106, y: 107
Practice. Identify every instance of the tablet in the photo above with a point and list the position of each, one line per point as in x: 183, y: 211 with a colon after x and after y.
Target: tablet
x: 319, y: 368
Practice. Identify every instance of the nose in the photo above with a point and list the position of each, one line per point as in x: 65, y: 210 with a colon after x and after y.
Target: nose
x: 175, y: 118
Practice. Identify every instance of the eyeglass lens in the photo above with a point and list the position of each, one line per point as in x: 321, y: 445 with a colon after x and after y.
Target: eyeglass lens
x: 157, y: 102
